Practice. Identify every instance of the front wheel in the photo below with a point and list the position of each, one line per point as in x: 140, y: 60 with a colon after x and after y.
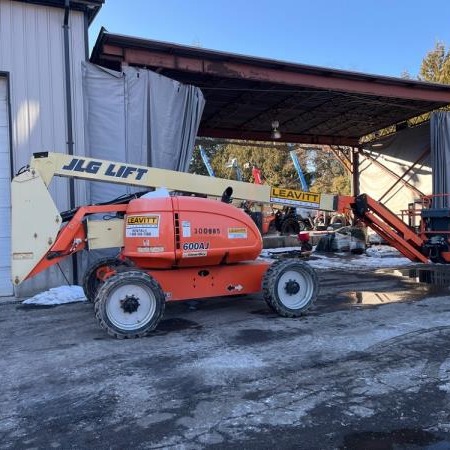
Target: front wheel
x: 129, y: 304
x: 91, y: 280
x: 290, y: 287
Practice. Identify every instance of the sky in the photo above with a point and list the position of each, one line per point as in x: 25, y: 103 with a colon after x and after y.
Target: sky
x: 382, y: 37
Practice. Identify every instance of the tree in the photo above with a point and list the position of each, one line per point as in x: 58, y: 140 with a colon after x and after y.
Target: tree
x: 211, y: 147
x: 436, y: 65
x: 275, y: 163
x: 329, y: 175
x: 321, y: 169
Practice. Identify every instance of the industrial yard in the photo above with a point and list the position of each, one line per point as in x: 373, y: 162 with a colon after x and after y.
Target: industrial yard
x: 368, y: 363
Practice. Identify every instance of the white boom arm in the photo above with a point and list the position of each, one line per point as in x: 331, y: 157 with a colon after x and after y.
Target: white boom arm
x: 51, y: 164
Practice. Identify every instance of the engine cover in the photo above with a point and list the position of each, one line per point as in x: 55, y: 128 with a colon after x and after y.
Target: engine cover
x: 187, y: 232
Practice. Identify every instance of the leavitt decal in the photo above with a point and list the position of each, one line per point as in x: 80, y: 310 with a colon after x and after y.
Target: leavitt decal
x: 293, y: 197
x: 142, y: 226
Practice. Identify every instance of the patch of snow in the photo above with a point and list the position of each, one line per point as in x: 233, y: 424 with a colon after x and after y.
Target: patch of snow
x: 378, y: 257
x: 361, y: 411
x: 58, y: 296
x: 229, y: 361
x: 359, y: 261
x: 373, y: 238
x: 266, y: 252
x: 380, y: 251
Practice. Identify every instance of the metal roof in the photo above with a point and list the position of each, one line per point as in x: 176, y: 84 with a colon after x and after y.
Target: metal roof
x: 89, y: 7
x: 244, y: 95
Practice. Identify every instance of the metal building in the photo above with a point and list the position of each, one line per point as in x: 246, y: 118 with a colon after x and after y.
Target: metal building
x: 42, y: 45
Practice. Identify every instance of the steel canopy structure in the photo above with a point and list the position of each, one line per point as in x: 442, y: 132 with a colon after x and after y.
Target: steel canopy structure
x: 245, y: 95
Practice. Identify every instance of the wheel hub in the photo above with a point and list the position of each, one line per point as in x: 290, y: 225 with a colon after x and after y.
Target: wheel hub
x: 292, y: 287
x: 130, y: 304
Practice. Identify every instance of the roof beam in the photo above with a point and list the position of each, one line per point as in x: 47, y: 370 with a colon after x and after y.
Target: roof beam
x: 239, y: 69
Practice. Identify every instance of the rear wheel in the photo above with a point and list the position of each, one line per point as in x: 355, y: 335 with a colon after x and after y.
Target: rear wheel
x: 129, y: 304
x: 289, y: 226
x: 338, y: 221
x: 290, y: 287
x: 91, y: 282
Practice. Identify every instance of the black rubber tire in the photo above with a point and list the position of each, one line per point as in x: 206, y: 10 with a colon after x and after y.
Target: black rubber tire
x: 338, y: 220
x: 289, y: 226
x: 280, y: 272
x: 109, y: 302
x: 437, y: 260
x: 90, y: 281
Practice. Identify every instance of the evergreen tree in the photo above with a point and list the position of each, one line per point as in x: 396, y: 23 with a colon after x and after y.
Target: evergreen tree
x: 197, y: 165
x: 329, y: 175
x: 436, y: 65
x: 322, y: 171
x: 275, y: 164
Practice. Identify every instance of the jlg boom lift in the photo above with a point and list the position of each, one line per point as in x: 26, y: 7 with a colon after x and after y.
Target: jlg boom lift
x: 181, y: 247
x: 171, y: 248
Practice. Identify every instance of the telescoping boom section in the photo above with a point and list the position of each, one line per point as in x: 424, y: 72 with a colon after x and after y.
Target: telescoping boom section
x: 48, y: 165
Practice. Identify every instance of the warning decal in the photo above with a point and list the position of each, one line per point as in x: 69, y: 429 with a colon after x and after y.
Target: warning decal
x: 142, y: 226
x: 237, y: 233
x: 186, y: 227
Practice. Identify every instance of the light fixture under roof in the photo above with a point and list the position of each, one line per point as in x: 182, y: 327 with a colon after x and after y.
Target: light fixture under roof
x: 275, y: 132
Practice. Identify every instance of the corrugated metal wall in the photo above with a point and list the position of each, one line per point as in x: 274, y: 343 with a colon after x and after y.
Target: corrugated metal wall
x: 5, y: 177
x: 32, y: 52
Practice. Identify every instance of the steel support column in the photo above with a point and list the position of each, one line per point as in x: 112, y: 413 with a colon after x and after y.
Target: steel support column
x: 355, y: 171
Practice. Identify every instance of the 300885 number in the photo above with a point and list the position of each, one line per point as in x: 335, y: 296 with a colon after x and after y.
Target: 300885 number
x: 206, y: 230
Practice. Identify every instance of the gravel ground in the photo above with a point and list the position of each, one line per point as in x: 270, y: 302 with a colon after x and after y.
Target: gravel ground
x: 367, y: 367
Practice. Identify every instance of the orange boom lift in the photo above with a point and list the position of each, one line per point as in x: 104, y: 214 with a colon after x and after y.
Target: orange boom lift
x: 180, y: 247
x: 172, y: 248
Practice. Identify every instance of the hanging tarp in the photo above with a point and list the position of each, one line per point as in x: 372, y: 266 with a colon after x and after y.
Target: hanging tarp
x: 139, y: 117
x: 440, y: 158
x: 405, y: 152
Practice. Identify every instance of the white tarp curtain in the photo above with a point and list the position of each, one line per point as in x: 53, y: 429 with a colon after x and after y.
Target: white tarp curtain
x: 398, y: 152
x: 440, y: 157
x: 139, y: 117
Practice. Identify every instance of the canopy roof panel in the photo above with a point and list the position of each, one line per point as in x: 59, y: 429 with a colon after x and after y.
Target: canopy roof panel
x: 244, y: 95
